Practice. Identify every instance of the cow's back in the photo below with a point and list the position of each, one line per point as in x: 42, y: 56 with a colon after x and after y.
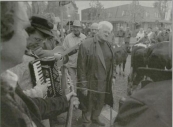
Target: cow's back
x: 137, y: 57
x: 159, y: 56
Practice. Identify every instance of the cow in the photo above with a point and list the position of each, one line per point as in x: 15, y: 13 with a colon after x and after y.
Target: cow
x: 154, y: 57
x: 120, y: 56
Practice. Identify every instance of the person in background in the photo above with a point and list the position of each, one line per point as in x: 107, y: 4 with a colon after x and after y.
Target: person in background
x: 93, y: 30
x: 154, y: 35
x: 127, y: 37
x: 140, y: 34
x: 145, y: 39
x: 86, y: 29
x: 121, y: 35
x: 95, y: 72
x: 17, y: 109
x: 149, y: 33
x: 72, y: 39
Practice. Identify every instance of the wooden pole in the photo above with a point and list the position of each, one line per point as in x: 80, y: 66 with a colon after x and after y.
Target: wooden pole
x: 62, y: 18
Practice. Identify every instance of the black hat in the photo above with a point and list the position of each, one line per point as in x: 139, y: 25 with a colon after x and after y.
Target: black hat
x: 42, y: 24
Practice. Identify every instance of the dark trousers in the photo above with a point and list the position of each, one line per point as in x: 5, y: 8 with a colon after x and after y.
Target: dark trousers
x: 94, y: 109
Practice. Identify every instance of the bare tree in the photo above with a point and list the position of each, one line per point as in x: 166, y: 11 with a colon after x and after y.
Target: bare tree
x: 39, y: 7
x: 171, y: 14
x: 162, y: 6
x: 97, y: 10
x: 53, y: 7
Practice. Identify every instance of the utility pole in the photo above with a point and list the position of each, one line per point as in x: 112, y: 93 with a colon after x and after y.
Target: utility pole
x: 135, y: 10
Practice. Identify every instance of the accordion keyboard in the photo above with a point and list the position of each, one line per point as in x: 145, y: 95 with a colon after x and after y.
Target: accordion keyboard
x: 46, y: 71
x: 38, y: 72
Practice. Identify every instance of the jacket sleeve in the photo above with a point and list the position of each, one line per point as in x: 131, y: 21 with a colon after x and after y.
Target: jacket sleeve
x: 82, y: 66
x: 51, y: 106
x: 44, y: 108
x: 43, y: 53
x: 66, y: 43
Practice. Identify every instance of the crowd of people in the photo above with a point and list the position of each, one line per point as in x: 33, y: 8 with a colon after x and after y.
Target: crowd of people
x: 90, y: 66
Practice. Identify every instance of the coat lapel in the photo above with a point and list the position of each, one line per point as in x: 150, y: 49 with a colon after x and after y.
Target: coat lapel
x: 100, y: 53
x: 109, y: 45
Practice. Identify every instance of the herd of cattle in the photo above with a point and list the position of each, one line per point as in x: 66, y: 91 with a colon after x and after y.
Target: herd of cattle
x: 148, y: 63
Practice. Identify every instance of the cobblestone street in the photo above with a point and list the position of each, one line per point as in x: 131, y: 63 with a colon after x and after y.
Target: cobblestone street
x: 120, y: 86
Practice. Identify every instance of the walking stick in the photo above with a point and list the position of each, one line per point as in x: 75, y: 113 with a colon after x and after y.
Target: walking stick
x: 110, y: 116
x: 70, y: 111
x: 70, y: 114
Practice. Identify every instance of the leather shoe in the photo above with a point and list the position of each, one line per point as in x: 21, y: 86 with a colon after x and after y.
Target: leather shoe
x: 97, y: 121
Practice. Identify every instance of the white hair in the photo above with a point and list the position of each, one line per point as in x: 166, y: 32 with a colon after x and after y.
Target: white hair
x: 105, y: 23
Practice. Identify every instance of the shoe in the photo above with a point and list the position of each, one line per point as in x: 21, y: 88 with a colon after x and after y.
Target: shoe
x: 97, y: 121
x: 86, y: 124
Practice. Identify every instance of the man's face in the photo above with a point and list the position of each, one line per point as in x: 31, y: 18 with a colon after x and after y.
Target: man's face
x: 104, y: 33
x: 35, y: 40
x: 77, y: 30
x: 12, y: 51
x: 94, y: 31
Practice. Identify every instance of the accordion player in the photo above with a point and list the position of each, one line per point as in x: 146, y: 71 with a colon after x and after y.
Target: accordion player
x: 45, y: 70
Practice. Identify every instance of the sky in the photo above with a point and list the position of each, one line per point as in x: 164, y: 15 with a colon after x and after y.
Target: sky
x: 85, y: 4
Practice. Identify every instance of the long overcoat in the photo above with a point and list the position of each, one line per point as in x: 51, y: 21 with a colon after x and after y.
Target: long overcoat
x: 89, y: 65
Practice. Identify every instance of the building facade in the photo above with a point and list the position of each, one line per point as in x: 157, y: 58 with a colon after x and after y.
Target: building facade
x: 128, y: 15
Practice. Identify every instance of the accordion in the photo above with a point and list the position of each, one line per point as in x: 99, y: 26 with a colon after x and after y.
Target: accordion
x: 45, y: 71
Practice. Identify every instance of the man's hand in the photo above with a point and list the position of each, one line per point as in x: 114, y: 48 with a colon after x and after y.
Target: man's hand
x: 43, y: 87
x: 75, y: 101
x: 58, y: 56
x: 85, y: 92
x: 68, y: 96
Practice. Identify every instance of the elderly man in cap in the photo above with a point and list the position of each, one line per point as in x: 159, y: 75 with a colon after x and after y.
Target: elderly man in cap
x: 93, y: 29
x: 95, y: 72
x: 72, y: 39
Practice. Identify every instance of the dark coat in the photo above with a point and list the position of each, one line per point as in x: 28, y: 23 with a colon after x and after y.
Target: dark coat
x: 17, y: 109
x: 149, y: 107
x: 121, y: 33
x: 89, y: 65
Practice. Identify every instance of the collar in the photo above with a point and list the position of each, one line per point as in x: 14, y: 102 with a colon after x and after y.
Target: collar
x: 76, y: 36
x: 8, y: 82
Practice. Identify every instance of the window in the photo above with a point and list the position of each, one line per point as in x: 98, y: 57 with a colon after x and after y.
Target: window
x: 156, y: 14
x: 109, y: 15
x: 146, y: 13
x: 123, y: 13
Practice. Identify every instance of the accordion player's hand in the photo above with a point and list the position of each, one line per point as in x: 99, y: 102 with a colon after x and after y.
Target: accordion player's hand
x: 43, y: 87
